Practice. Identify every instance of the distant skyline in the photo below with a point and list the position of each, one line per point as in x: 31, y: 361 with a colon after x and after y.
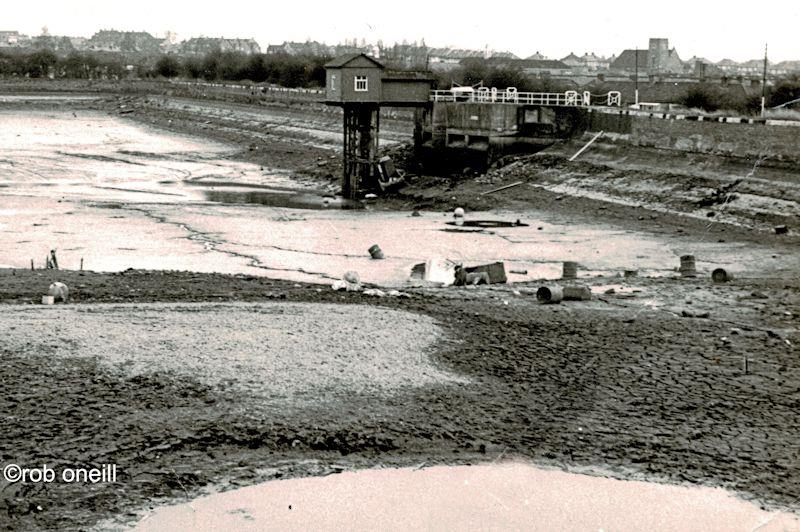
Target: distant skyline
x: 729, y: 30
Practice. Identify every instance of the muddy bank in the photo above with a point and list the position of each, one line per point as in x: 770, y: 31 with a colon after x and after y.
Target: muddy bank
x: 634, y: 187
x: 639, y: 393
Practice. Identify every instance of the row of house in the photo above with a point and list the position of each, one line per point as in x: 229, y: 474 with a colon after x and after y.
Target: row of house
x: 128, y: 42
x: 658, y: 59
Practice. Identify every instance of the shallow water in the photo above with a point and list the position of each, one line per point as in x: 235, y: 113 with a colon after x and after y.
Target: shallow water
x: 485, y: 497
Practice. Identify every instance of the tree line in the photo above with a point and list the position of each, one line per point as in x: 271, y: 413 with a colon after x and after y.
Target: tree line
x: 309, y: 71
x: 280, y: 69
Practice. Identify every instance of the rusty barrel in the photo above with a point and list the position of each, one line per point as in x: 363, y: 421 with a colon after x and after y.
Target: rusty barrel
x: 570, y: 270
x: 688, y: 268
x: 375, y: 252
x: 720, y: 275
x: 550, y: 294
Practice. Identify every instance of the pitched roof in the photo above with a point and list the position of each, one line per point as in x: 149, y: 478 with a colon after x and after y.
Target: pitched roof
x: 345, y: 59
x: 627, y: 60
x: 552, y: 64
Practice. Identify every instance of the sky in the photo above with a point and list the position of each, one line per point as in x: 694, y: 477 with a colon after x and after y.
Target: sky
x: 714, y: 30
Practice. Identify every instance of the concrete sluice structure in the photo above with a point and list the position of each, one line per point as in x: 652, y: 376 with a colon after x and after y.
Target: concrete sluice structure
x: 457, y: 126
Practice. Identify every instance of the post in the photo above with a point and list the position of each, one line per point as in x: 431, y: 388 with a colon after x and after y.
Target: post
x: 764, y: 85
x: 636, y: 77
x: 81, y: 263
x: 31, y: 264
x: 361, y: 125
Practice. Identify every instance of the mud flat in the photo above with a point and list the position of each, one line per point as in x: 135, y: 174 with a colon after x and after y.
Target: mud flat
x: 613, y: 387
x: 645, y: 383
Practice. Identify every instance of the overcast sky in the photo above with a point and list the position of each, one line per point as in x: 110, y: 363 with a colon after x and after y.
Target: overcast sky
x: 715, y: 30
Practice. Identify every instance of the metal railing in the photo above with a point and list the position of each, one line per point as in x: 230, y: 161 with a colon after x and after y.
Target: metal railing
x: 512, y: 96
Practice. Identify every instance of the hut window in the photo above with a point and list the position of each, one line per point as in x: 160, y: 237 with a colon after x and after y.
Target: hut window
x: 361, y: 83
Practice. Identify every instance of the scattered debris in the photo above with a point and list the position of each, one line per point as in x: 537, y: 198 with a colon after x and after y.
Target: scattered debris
x: 374, y: 292
x: 781, y: 230
x: 690, y: 314
x: 463, y: 278
x: 577, y: 293
x: 458, y: 214
x: 585, y: 146
x: 397, y: 293
x: 376, y: 252
x: 351, y: 282
x: 720, y: 195
x: 519, y: 272
x: 502, y: 188
x: 570, y: 270
x: 720, y: 275
x: 388, y: 175
x: 687, y: 267
x: 549, y: 294
x: 439, y: 271
x: 488, y: 223
x: 59, y: 292
x: 631, y: 273
x: 51, y: 262
x: 495, y: 272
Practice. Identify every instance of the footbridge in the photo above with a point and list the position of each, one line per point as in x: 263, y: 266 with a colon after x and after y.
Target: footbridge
x: 511, y: 96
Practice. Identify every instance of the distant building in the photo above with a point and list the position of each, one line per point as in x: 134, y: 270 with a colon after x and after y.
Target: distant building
x: 586, y: 62
x: 657, y: 59
x: 532, y: 67
x: 537, y: 56
x: 755, y: 68
x: 594, y: 62
x: 123, y: 41
x: 308, y: 48
x: 205, y: 45
x: 572, y: 60
x: 630, y: 61
x: 13, y: 39
x: 661, y: 59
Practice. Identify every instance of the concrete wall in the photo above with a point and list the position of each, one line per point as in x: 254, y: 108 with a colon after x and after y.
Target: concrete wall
x: 780, y: 143
x: 476, y: 117
x: 405, y: 90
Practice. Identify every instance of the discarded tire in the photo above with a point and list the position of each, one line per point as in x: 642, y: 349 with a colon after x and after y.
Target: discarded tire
x: 720, y: 275
x: 550, y: 294
x: 570, y: 270
x: 375, y: 252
